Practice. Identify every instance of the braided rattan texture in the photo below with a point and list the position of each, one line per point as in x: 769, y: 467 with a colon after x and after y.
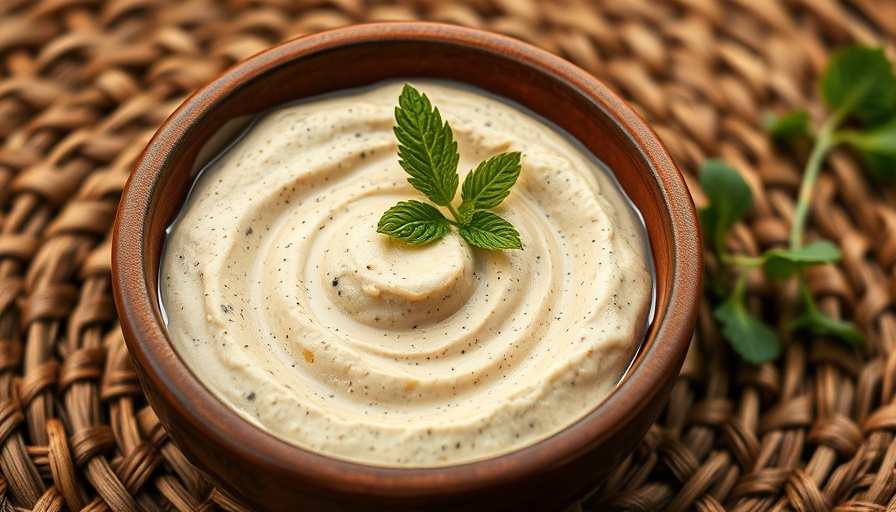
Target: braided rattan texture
x: 84, y: 84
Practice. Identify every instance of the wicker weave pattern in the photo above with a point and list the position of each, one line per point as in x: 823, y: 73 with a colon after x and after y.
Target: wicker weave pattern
x: 85, y: 83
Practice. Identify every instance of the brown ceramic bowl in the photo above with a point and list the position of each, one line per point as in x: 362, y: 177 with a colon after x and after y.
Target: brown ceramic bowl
x: 275, y: 475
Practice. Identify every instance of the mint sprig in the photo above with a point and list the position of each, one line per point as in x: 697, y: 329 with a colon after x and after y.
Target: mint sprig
x: 428, y: 153
x: 859, y: 87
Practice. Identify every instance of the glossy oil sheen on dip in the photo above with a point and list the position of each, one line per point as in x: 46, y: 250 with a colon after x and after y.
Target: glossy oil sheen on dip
x: 287, y: 304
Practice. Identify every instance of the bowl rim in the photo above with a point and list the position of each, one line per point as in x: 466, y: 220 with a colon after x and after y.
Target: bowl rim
x: 150, y: 349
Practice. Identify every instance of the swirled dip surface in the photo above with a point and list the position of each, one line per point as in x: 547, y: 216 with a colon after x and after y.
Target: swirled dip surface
x: 288, y: 305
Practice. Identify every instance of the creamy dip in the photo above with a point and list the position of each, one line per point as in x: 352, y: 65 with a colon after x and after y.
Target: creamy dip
x: 287, y: 304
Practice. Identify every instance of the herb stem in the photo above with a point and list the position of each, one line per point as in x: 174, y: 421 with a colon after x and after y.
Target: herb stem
x: 745, y: 261
x: 722, y: 251
x: 808, y: 298
x: 453, y: 212
x: 823, y: 143
x: 740, y: 287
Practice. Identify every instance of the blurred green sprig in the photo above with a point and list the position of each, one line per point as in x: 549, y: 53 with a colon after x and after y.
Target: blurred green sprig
x: 859, y: 88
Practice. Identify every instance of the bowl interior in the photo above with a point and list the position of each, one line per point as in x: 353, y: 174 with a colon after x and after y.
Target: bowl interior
x: 358, y: 57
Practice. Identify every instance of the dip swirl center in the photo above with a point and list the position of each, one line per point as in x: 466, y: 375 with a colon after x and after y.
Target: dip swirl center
x: 381, y: 282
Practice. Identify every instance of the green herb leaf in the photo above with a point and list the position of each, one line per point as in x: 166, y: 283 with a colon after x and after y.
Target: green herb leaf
x: 426, y: 147
x: 488, y: 185
x: 752, y: 339
x: 877, y: 146
x: 783, y: 263
x: 823, y: 325
x: 488, y: 231
x: 414, y: 222
x: 859, y: 80
x: 729, y: 199
x: 789, y: 126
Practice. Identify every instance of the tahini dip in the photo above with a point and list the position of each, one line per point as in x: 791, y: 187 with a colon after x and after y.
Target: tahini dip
x: 287, y: 304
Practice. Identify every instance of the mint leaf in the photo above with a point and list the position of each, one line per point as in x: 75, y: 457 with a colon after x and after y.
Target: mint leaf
x: 789, y: 126
x: 488, y: 185
x: 752, y: 339
x: 488, y: 231
x: 823, y: 325
x: 783, y: 263
x: 414, y: 222
x: 877, y: 146
x: 729, y: 199
x: 426, y: 147
x: 859, y: 80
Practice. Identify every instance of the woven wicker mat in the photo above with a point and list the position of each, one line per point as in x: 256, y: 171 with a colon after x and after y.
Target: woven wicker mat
x: 84, y: 84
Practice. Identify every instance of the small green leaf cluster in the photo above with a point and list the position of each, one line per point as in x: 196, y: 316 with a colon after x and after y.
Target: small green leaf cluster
x: 428, y: 153
x: 859, y: 88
